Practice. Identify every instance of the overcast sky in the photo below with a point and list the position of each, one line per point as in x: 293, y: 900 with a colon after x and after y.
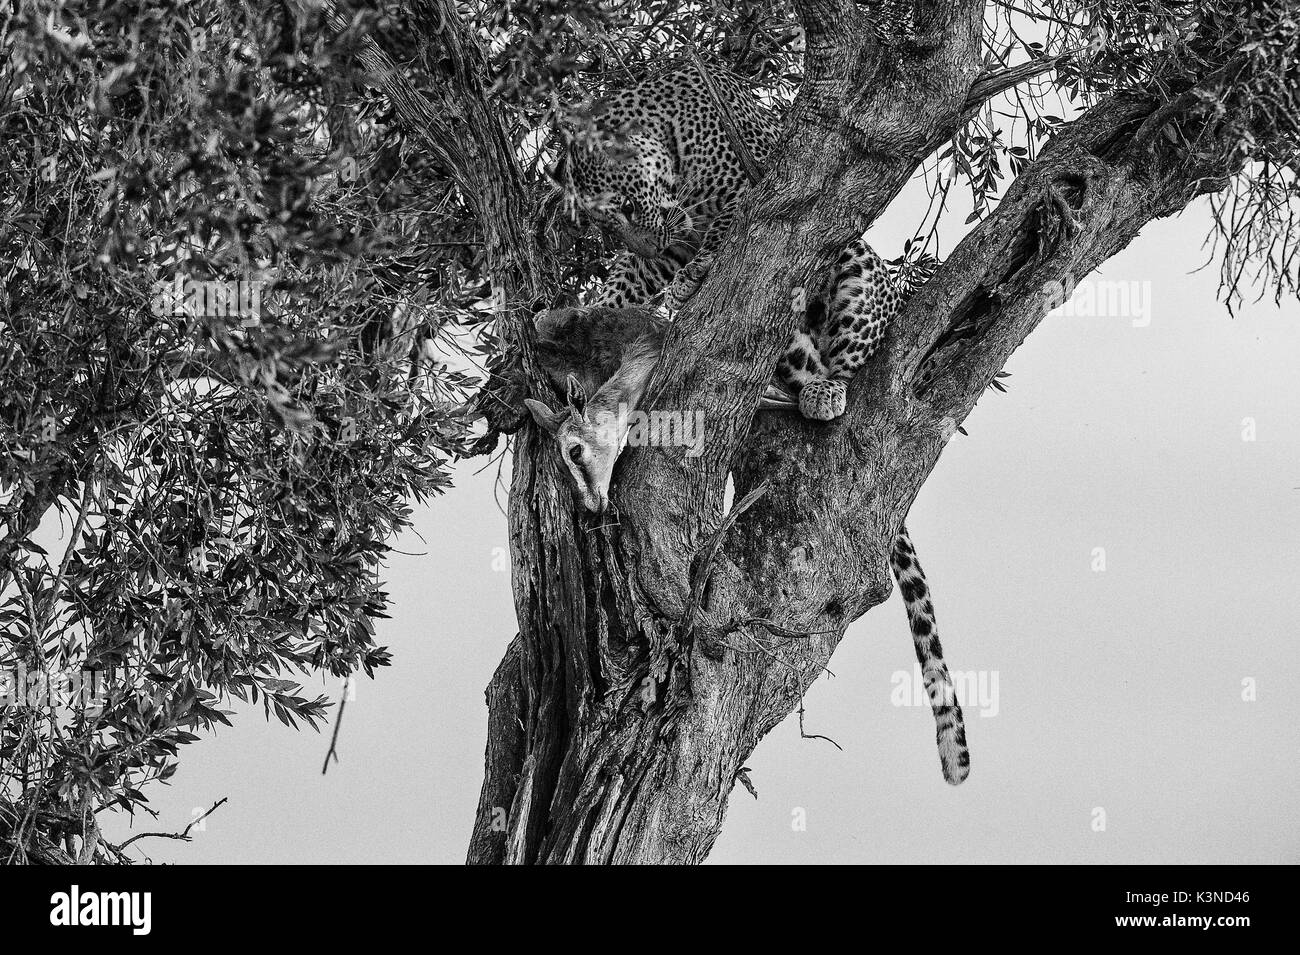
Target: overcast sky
x: 1114, y: 726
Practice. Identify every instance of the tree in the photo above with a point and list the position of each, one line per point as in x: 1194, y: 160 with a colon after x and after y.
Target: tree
x: 216, y: 257
x: 653, y: 654
x: 623, y: 712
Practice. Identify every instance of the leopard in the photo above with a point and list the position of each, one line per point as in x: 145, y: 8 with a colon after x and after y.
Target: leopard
x: 669, y: 190
x: 666, y: 181
x: 665, y: 178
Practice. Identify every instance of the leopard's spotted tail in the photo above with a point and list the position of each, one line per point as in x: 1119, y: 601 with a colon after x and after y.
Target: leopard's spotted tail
x: 950, y: 732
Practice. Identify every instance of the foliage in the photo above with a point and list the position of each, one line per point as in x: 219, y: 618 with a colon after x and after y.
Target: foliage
x: 552, y: 60
x: 227, y: 469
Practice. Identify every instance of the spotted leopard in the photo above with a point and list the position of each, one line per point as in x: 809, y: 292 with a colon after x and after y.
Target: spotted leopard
x: 667, y: 179
x: 667, y: 182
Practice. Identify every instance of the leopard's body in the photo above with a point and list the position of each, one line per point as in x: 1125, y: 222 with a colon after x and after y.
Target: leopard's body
x: 669, y: 190
x: 671, y: 193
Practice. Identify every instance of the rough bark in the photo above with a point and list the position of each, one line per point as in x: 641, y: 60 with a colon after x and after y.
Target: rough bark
x: 657, y: 647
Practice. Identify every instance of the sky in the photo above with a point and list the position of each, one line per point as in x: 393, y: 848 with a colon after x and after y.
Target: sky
x: 1113, y: 550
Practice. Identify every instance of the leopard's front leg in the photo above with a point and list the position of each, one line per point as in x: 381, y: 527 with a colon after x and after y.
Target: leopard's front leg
x: 688, y: 281
x: 801, y: 372
x: 864, y: 301
x: 634, y: 280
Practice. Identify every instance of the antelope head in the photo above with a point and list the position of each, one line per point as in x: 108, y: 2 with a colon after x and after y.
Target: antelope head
x: 590, y: 434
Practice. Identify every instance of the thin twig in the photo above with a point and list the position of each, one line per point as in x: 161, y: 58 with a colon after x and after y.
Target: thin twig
x: 777, y: 630
x: 814, y: 735
x: 760, y: 648
x: 703, y: 564
x: 338, y: 721
x: 742, y: 775
x: 183, y: 835
x: 51, y: 600
x: 753, y: 171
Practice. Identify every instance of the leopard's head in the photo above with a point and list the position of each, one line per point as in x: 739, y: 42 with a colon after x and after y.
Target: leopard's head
x: 628, y: 188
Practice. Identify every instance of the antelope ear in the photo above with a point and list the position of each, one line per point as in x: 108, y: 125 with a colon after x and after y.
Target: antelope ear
x: 577, y: 395
x: 546, y: 418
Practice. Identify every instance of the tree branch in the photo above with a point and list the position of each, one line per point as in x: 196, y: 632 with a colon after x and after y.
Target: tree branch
x: 463, y: 133
x: 753, y: 172
x: 1089, y: 193
x: 183, y: 835
x: 827, y: 22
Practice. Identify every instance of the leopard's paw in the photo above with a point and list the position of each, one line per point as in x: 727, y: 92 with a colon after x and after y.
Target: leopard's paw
x: 823, y: 399
x: 687, y: 282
